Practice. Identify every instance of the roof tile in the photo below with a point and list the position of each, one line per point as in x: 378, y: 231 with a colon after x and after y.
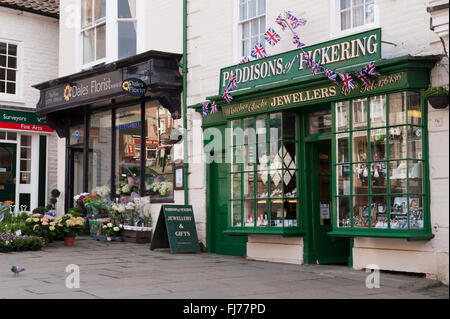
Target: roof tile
x: 40, y: 6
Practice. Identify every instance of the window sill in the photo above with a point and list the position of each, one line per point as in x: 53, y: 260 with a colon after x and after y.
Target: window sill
x: 11, y: 98
x: 340, y: 34
x: 288, y: 232
x: 408, y: 235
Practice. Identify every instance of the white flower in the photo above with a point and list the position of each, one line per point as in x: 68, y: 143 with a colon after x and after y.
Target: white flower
x: 116, y: 229
x: 131, y: 206
x: 109, y: 225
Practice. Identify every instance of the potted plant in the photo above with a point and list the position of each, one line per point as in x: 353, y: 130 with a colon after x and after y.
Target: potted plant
x: 69, y: 226
x: 437, y: 96
x: 111, y: 232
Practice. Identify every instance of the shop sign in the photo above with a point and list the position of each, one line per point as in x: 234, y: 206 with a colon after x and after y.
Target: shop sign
x: 176, y: 230
x: 134, y: 87
x: 25, y: 121
x: 351, y: 50
x: 314, y: 95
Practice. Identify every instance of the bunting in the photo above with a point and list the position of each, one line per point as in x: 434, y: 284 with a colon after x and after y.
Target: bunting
x: 331, y: 75
x: 281, y: 22
x: 213, y: 108
x: 348, y: 81
x: 258, y: 51
x: 297, y: 42
x: 245, y: 60
x: 272, y: 36
x: 362, y: 76
x: 205, y: 108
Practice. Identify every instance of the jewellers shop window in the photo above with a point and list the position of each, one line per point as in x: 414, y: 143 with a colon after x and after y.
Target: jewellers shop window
x: 380, y: 164
x: 158, y: 166
x: 264, y: 174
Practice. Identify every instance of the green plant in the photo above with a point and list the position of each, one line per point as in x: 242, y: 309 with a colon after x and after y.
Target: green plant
x: 69, y: 226
x: 53, y: 199
x: 75, y: 211
x: 111, y: 230
x: 434, y: 91
x: 39, y: 210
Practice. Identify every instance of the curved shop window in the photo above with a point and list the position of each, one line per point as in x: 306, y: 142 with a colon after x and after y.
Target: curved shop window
x: 264, y: 174
x: 158, y: 166
x: 379, y: 165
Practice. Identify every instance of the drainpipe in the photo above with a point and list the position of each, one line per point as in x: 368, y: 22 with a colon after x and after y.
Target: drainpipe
x: 185, y: 141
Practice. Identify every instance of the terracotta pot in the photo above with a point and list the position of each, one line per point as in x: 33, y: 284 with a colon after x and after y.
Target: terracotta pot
x: 68, y: 241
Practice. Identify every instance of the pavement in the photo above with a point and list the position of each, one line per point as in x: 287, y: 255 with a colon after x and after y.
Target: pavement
x: 127, y: 270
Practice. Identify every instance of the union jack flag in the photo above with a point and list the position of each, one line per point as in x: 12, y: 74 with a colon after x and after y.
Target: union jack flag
x: 370, y: 69
x: 232, y: 83
x: 295, y: 22
x: 280, y: 21
x: 258, y: 51
x: 297, y: 42
x: 348, y: 81
x: 272, y: 36
x: 227, y: 96
x: 213, y: 108
x: 205, y: 108
x: 245, y: 60
x: 307, y: 60
x: 315, y: 67
x: 362, y: 76
x: 331, y: 75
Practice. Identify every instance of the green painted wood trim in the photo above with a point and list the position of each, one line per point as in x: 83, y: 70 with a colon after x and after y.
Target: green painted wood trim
x: 42, y: 169
x: 283, y: 232
x: 410, y: 236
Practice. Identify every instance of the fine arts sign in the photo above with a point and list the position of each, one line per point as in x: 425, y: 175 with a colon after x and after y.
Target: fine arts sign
x: 352, y: 50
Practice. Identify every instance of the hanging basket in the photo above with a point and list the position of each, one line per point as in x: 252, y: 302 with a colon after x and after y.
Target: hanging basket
x: 438, y: 101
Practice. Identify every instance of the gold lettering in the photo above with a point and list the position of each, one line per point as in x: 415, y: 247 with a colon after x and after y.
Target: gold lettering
x: 296, y: 97
x: 361, y: 46
x: 316, y: 94
x: 372, y: 48
x: 324, y: 92
x: 325, y: 56
x: 335, y: 53
x: 345, y: 51
x: 332, y: 91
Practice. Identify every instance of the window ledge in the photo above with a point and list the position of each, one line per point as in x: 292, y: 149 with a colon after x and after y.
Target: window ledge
x: 11, y: 98
x: 291, y: 232
x: 410, y: 236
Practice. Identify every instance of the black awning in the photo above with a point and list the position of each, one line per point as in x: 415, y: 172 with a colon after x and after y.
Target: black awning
x: 153, y: 73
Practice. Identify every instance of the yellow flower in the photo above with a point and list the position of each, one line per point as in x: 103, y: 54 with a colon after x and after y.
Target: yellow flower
x: 45, y: 223
x: 60, y: 225
x: 52, y: 228
x: 35, y: 226
x: 52, y: 223
x: 36, y: 220
x: 29, y: 220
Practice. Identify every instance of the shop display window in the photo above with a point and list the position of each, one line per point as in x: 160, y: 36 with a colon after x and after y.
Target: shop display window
x: 378, y: 167
x: 264, y: 182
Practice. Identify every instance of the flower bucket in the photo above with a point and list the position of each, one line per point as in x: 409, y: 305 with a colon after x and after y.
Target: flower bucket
x: 68, y: 241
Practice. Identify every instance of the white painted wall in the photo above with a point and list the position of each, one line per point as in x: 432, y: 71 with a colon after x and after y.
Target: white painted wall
x: 212, y: 45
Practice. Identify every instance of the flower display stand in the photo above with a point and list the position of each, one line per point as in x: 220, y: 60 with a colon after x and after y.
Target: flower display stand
x: 137, y: 235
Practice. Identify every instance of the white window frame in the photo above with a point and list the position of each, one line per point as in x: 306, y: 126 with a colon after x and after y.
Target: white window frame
x: 112, y: 32
x: 237, y: 30
x: 18, y: 96
x: 335, y: 18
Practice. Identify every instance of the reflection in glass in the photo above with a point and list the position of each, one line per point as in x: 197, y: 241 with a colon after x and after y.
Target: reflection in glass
x: 249, y: 213
x: 414, y: 108
x: 275, y: 126
x: 360, y: 179
x: 378, y: 144
x: 415, y: 177
x: 289, y: 156
x: 262, y: 189
x: 397, y: 177
x: 414, y: 142
x: 343, y: 179
x: 342, y: 148
x: 276, y: 213
x: 397, y: 108
x: 236, y: 213
x: 343, y: 212
x: 397, y: 142
x: 378, y: 111
x: 76, y: 134
x: 342, y: 115
x: 237, y: 133
x: 379, y: 177
x: 127, y: 38
x: 359, y: 114
x: 360, y: 212
x: 261, y: 129
x: 399, y: 212
x: 360, y: 146
x: 262, y: 211
x: 290, y: 208
x: 276, y: 184
x: 320, y: 122
x: 290, y: 183
x: 249, y: 157
x: 249, y: 185
x: 289, y: 126
x: 415, y: 212
x: 236, y: 186
x: 379, y: 212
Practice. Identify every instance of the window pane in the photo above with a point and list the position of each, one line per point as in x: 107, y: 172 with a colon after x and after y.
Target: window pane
x: 359, y: 114
x: 101, y: 42
x: 289, y: 156
x: 379, y: 212
x: 127, y: 39
x: 370, y: 12
x: 397, y: 142
x: 12, y: 136
x: 360, y: 211
x: 275, y: 126
x: 261, y: 6
x: 88, y: 46
x: 262, y: 211
x: 262, y: 28
x: 3, y: 47
x: 397, y: 177
x: 250, y: 157
x: 290, y: 208
x: 12, y: 62
x: 236, y: 186
x: 11, y: 88
x: 416, y: 212
x: 249, y: 213
x: 262, y: 185
x: 343, y: 212
x: 3, y: 61
x: 12, y: 49
x: 290, y: 183
x: 2, y: 74
x: 99, y: 158
x: 251, y: 8
x: 415, y: 177
x: 289, y: 126
x: 126, y: 8
x: 397, y: 108
x: 415, y: 142
x: 25, y: 177
x: 345, y: 20
x: 100, y: 9
x: 275, y: 184
x: 2, y: 86
x: 378, y: 144
x: 399, y: 212
x: 25, y: 165
x: 276, y: 213
x: 243, y: 10
x: 25, y: 152
x: 11, y: 75
x: 358, y: 16
x: 360, y: 179
x: 249, y: 185
x: 2, y: 135
x: 245, y: 30
x: 343, y: 179
x: 378, y: 111
x: 236, y: 213
x: 345, y: 4
x: 254, y: 26
x: 360, y: 146
x: 379, y: 178
x: 86, y: 12
x: 414, y: 108
x: 237, y: 132
x: 342, y: 116
x: 128, y: 150
x: 320, y: 122
x: 342, y: 142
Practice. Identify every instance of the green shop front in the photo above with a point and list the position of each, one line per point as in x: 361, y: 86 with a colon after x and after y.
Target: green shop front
x: 307, y: 165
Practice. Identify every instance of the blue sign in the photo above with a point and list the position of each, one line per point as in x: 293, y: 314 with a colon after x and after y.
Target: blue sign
x: 77, y: 135
x: 134, y: 87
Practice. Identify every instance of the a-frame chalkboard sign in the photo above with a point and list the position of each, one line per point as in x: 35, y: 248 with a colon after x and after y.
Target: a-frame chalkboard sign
x: 175, y: 229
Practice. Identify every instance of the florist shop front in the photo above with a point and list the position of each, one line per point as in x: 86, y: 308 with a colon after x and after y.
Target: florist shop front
x: 118, y: 121
x: 309, y: 163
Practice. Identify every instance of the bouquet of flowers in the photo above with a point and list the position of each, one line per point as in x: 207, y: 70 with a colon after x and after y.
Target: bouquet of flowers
x: 111, y: 230
x: 42, y: 226
x: 102, y: 191
x: 161, y: 188
x: 116, y: 212
x: 126, y: 189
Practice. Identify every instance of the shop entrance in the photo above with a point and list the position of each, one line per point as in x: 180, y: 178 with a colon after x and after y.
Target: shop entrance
x: 326, y: 249
x: 7, y: 172
x: 76, y: 164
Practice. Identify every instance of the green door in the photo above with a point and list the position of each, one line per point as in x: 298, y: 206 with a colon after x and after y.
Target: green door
x: 7, y: 172
x: 327, y: 249
x: 218, y: 201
